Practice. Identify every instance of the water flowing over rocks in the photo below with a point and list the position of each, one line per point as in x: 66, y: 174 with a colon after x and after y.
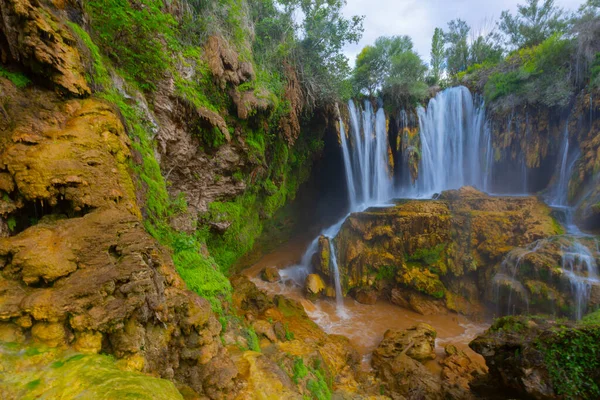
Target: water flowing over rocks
x: 440, y: 251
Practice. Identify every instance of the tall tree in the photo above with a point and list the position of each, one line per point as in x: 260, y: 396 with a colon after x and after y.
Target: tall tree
x: 533, y: 23
x: 484, y: 49
x: 437, y: 55
x: 457, y: 52
x: 373, y: 64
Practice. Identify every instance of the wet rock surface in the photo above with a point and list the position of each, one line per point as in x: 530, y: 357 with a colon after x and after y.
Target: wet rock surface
x: 434, y: 255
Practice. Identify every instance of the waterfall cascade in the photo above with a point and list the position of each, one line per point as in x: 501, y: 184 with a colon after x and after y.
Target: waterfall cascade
x: 579, y: 265
x: 558, y: 197
x: 456, y: 148
x: 368, y: 176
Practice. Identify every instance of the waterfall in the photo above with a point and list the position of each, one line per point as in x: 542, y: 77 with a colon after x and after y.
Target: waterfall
x: 455, y: 144
x: 366, y: 158
x: 558, y: 197
x: 368, y: 176
x: 579, y: 265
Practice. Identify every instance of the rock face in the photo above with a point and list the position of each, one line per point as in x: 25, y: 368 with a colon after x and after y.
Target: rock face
x: 270, y: 274
x: 86, y: 274
x: 542, y: 358
x: 417, y: 342
x: 458, y: 372
x: 314, y: 285
x: 33, y: 36
x: 435, y: 253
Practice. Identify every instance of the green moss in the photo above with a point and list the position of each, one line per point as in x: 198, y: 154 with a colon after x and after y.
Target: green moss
x: 428, y: 256
x: 33, y: 373
x: 572, y: 356
x: 252, y: 338
x: 17, y: 78
x: 100, y: 77
x: 386, y: 273
x: 134, y: 37
x: 299, y: 370
x: 592, y: 318
x: 318, y: 387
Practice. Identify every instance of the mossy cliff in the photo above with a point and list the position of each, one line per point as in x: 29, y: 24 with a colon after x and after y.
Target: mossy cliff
x: 133, y: 173
x: 437, y: 254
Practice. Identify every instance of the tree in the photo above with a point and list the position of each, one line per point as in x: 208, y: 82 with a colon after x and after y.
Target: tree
x: 368, y: 70
x: 533, y: 23
x: 321, y: 64
x: 484, y: 49
x: 457, y: 52
x: 374, y: 62
x: 437, y: 55
x: 405, y: 83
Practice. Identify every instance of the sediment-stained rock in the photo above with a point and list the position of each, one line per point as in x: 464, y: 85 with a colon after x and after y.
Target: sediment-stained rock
x: 436, y: 254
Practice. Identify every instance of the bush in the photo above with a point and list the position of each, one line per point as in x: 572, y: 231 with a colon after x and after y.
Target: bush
x: 540, y: 74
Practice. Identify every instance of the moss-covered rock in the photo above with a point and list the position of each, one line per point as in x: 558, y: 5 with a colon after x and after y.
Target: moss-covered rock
x: 39, y: 372
x: 440, y: 248
x: 543, y: 358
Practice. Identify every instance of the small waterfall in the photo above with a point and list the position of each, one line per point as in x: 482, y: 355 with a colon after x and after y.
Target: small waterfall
x: 507, y: 277
x: 558, y: 197
x: 366, y: 158
x: 368, y: 176
x: 339, y: 296
x: 579, y: 265
x: 455, y: 144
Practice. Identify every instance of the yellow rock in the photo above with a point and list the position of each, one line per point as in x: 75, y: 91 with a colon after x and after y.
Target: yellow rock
x: 88, y: 342
x: 52, y: 334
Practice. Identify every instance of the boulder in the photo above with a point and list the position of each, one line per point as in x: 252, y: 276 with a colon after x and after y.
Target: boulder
x: 270, y: 274
x: 314, y: 285
x: 431, y: 246
x: 403, y: 376
x: 417, y: 342
x: 367, y: 296
x: 458, y: 371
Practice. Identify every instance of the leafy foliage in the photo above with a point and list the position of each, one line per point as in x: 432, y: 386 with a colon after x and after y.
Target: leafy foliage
x: 533, y: 23
x: 572, y: 357
x: 391, y: 68
x: 457, y: 52
x: 437, y: 55
x: 539, y: 76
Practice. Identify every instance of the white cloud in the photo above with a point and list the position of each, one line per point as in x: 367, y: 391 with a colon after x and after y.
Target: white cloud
x: 419, y: 18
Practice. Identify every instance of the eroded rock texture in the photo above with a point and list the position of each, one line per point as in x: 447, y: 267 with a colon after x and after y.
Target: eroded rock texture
x: 82, y: 271
x: 436, y: 254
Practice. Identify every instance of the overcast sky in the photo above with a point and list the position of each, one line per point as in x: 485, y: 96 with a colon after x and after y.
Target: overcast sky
x: 419, y: 18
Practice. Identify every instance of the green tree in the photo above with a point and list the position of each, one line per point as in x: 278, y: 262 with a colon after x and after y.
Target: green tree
x: 437, y: 55
x: 367, y: 71
x: 533, y: 23
x: 457, y: 52
x: 321, y: 64
x: 484, y: 50
x: 373, y: 64
x: 405, y: 83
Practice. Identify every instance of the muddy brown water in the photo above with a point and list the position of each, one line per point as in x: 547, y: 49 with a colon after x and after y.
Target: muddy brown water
x: 365, y: 325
